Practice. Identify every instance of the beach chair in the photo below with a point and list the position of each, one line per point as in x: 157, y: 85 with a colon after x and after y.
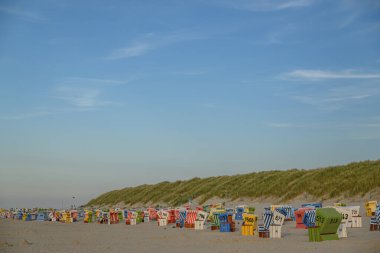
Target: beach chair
x: 288, y: 211
x: 180, y: 222
x: 74, y: 215
x: 87, y: 216
x: 299, y: 214
x: 239, y: 213
x: 356, y: 220
x: 200, y: 220
x: 27, y: 217
x: 114, y: 216
x: 268, y: 218
x: 171, y: 216
x: 309, y: 218
x: 370, y: 207
x: 41, y: 216
x: 105, y: 217
x: 127, y: 217
x: 346, y: 217
x: 215, y: 223
x: 249, y: 224
x: 133, y: 219
x: 162, y: 218
x: 226, y: 223
x: 120, y: 215
x: 191, y: 216
x: 146, y: 216
x: 33, y: 216
x: 327, y: 222
x: 375, y: 221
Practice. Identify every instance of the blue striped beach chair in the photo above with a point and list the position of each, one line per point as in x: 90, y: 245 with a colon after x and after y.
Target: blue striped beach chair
x: 268, y: 218
x: 309, y: 218
x: 289, y: 212
x: 182, y: 218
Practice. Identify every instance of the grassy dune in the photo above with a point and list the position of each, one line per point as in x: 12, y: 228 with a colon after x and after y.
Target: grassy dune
x: 347, y: 180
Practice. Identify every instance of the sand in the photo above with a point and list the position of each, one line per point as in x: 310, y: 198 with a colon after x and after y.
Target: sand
x: 34, y: 236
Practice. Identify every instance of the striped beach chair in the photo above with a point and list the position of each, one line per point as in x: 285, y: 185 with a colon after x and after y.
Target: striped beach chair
x: 191, y: 216
x: 375, y: 221
x: 215, y: 219
x: 181, y: 218
x: 289, y: 212
x: 309, y: 218
x: 268, y: 218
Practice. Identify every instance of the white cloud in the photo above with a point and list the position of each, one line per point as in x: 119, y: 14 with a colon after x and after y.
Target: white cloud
x: 188, y: 73
x: 85, y: 93
x: 305, y: 74
x: 329, y: 102
x: 26, y: 115
x: 149, y: 42
x: 281, y: 125
x: 136, y: 49
x: 94, y: 81
x: 29, y: 15
x: 265, y: 5
x: 294, y: 4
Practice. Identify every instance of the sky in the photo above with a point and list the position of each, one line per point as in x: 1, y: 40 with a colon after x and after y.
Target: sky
x: 102, y: 95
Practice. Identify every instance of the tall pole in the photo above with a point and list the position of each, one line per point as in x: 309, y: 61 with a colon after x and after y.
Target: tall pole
x: 73, y: 206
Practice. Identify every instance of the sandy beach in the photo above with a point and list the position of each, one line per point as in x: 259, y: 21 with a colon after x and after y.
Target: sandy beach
x: 44, y: 237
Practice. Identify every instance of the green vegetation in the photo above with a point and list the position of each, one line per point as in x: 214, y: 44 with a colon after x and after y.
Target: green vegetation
x: 348, y: 180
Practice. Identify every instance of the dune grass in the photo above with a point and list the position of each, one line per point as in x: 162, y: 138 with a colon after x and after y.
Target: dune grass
x: 348, y: 180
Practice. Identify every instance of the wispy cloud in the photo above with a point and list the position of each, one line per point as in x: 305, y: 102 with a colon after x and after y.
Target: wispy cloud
x: 85, y: 93
x: 80, y: 97
x: 328, y: 102
x: 264, y: 5
x: 28, y: 15
x: 189, y: 73
x: 26, y: 115
x: 342, y: 125
x: 307, y: 74
x: 281, y: 125
x: 149, y: 42
x: 338, y: 96
x: 94, y: 81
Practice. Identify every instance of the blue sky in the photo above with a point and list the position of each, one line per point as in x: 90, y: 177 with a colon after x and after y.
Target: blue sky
x: 101, y: 96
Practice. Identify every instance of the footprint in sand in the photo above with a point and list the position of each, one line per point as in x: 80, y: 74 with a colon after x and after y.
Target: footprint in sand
x: 6, y: 244
x: 26, y: 242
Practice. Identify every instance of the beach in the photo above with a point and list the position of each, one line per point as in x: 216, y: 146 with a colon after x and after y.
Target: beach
x: 44, y: 237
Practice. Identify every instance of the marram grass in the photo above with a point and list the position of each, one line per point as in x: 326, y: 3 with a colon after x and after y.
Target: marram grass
x: 348, y: 180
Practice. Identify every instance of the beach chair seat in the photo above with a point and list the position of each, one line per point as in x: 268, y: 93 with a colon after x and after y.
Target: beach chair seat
x: 275, y: 231
x: 263, y: 232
